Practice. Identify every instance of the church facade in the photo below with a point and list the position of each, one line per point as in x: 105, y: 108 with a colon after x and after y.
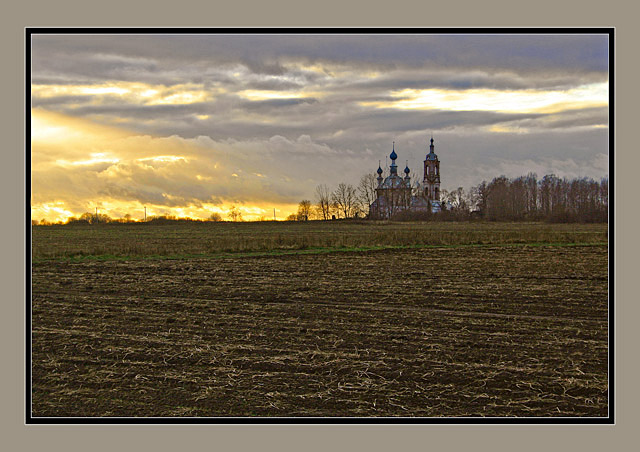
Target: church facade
x: 395, y: 193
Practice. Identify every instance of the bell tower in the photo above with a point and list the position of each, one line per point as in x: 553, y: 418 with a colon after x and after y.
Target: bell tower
x: 431, y: 181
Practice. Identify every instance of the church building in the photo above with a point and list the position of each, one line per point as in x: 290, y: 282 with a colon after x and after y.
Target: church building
x: 395, y: 193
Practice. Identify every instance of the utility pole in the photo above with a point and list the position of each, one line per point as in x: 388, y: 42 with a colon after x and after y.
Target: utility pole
x: 145, y: 214
x: 96, y: 214
x: 274, y: 214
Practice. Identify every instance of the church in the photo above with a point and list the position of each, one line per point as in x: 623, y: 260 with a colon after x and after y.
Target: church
x: 394, y: 193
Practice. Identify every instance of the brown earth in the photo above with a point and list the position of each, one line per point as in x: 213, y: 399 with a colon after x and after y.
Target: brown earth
x: 503, y: 331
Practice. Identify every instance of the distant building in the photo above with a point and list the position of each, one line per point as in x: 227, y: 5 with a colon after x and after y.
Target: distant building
x: 395, y: 193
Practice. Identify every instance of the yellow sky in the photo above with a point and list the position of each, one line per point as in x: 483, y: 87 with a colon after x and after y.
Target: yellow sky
x: 64, y: 143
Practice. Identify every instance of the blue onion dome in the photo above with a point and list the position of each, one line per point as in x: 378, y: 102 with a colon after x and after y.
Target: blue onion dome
x: 379, y: 170
x: 393, y: 155
x: 407, y: 170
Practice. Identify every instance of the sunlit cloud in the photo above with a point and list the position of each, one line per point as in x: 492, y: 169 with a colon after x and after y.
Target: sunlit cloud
x: 506, y: 128
x: 520, y: 101
x: 258, y: 95
x: 99, y: 157
x: 142, y: 93
x: 164, y: 158
x: 54, y: 211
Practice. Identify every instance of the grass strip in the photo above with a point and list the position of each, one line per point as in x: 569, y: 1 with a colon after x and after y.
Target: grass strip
x: 301, y: 251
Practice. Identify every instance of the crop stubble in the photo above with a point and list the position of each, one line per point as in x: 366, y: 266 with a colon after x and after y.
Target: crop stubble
x: 504, y: 331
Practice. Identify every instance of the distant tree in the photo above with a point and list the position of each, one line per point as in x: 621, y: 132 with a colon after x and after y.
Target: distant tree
x: 444, y: 195
x: 478, y: 198
x: 531, y: 189
x: 345, y: 198
x: 235, y: 214
x: 215, y: 216
x: 323, y: 205
x: 83, y: 219
x: 87, y: 217
x: 603, y: 199
x: 459, y: 201
x: 366, y: 192
x: 317, y: 213
x: 304, y: 210
x: 498, y: 199
x: 292, y: 217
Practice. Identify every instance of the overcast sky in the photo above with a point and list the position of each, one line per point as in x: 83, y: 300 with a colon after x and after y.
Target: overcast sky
x: 191, y: 124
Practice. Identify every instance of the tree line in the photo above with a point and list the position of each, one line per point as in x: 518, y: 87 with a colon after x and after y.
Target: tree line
x: 344, y: 202
x: 549, y: 199
x: 523, y: 198
x: 88, y: 218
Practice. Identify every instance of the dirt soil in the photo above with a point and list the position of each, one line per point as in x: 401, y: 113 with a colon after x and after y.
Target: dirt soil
x: 504, y: 331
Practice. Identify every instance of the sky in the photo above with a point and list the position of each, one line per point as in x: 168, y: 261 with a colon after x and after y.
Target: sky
x: 189, y: 125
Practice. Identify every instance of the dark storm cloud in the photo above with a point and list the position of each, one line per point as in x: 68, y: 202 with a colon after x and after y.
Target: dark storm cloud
x: 132, y: 111
x: 63, y: 103
x: 476, y: 79
x: 390, y: 121
x: 574, y: 118
x: 267, y: 105
x: 105, y: 57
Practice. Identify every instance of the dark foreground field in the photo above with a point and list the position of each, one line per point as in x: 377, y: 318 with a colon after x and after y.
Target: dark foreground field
x: 503, y: 329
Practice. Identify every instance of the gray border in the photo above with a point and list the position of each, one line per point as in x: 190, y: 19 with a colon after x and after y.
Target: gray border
x: 17, y: 436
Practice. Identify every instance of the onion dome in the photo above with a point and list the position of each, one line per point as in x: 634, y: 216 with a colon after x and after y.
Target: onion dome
x: 379, y: 170
x: 432, y: 155
x: 407, y: 170
x: 393, y: 155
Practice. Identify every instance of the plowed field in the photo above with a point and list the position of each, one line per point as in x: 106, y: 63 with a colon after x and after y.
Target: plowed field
x: 445, y: 331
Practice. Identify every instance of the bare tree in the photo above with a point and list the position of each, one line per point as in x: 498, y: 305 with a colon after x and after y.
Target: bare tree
x: 235, y: 214
x: 366, y: 192
x: 215, y: 216
x: 324, y: 201
x: 345, y: 198
x: 531, y: 187
x: 458, y: 199
x: 478, y: 197
x: 304, y: 210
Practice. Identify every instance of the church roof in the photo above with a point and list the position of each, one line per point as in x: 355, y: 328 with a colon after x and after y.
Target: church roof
x: 394, y: 181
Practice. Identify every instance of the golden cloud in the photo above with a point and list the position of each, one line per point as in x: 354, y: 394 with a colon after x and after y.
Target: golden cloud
x: 507, y: 101
x: 132, y: 92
